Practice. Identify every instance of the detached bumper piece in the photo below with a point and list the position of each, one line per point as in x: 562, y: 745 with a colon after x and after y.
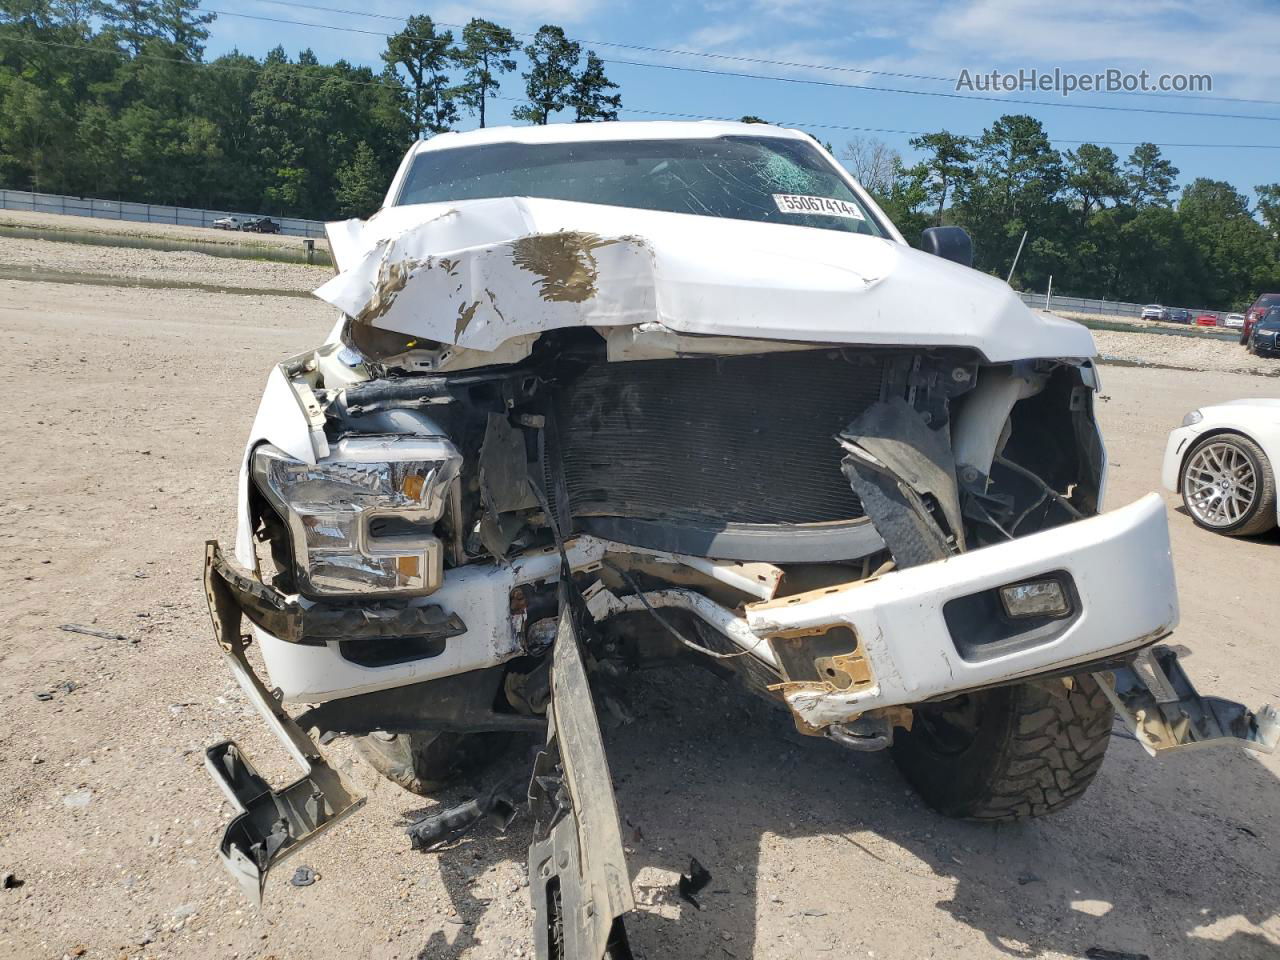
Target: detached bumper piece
x: 1160, y: 705
x: 319, y: 623
x: 577, y: 871
x: 271, y: 824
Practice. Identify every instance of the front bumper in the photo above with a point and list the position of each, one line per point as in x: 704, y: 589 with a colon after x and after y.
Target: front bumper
x: 269, y: 825
x: 910, y: 640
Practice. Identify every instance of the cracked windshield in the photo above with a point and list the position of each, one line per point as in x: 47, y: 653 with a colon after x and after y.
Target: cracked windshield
x: 767, y: 179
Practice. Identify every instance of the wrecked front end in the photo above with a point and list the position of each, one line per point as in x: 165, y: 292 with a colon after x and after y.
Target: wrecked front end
x: 531, y: 459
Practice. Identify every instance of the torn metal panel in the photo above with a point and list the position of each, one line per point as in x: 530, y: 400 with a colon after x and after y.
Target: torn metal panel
x: 894, y: 462
x: 1160, y: 705
x: 578, y: 877
x: 476, y: 273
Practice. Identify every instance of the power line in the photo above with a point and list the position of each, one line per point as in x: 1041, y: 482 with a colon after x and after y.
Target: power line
x: 740, y: 58
x: 636, y: 46
x: 807, y: 81
x: 301, y: 74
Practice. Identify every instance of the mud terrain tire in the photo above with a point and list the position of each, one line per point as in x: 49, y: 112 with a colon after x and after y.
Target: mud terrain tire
x: 427, y: 761
x: 1012, y: 752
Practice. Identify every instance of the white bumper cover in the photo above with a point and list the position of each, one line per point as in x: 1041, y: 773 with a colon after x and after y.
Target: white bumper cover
x: 1123, y: 575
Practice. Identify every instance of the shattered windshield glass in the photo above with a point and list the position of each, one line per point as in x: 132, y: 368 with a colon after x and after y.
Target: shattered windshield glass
x: 767, y: 179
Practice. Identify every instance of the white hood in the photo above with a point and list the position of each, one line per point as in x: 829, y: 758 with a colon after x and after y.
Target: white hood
x: 478, y: 273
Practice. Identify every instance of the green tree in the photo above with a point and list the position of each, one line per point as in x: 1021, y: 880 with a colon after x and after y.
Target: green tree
x: 131, y: 22
x: 361, y: 184
x: 183, y: 25
x: 485, y: 53
x: 947, y: 157
x: 1269, y: 207
x: 550, y: 81
x: 751, y: 118
x: 1093, y: 177
x: 426, y: 56
x: 1013, y: 186
x: 589, y: 97
x: 1150, y: 177
x: 1234, y: 251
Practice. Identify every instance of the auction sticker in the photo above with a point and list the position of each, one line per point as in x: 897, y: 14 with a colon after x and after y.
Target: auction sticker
x: 822, y: 206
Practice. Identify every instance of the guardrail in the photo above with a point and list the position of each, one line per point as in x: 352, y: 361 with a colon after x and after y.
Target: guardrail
x: 143, y: 212
x: 1104, y: 308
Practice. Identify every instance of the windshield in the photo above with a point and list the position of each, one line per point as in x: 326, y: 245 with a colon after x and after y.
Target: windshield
x: 766, y: 179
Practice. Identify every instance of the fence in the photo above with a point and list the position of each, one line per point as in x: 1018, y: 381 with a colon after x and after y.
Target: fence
x: 142, y: 212
x: 1110, y: 308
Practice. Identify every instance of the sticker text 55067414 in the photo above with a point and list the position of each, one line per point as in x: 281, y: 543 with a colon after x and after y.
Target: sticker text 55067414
x: 822, y: 206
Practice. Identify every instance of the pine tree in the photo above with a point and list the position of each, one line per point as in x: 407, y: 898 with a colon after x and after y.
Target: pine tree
x: 485, y: 52
x: 550, y: 80
x: 589, y: 99
x: 426, y: 57
x: 360, y: 184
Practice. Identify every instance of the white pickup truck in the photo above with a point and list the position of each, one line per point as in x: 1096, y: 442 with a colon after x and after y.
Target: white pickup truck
x: 604, y: 394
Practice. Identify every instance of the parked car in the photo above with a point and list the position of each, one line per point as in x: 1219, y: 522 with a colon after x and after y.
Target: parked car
x: 227, y: 223
x: 1255, y: 312
x: 603, y: 395
x: 1221, y: 461
x: 1263, y: 338
x: 1207, y: 320
x: 1153, y: 311
x: 260, y: 225
x: 1179, y: 315
x: 1233, y: 320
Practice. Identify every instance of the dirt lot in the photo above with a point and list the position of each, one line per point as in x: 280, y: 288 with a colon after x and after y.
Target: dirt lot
x: 130, y: 408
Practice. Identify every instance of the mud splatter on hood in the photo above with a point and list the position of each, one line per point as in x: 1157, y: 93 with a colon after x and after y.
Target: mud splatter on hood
x: 478, y: 273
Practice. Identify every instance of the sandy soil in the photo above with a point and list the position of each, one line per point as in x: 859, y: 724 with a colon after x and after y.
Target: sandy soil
x: 128, y: 409
x: 47, y: 259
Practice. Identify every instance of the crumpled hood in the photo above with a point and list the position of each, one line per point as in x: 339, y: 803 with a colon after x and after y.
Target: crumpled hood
x: 477, y: 273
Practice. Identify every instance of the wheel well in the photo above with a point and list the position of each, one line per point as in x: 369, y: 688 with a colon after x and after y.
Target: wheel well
x: 1209, y: 434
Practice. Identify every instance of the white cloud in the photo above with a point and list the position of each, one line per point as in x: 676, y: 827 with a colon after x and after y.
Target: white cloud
x: 1233, y: 40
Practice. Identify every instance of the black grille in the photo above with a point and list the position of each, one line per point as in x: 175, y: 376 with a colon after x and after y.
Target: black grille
x: 724, y: 440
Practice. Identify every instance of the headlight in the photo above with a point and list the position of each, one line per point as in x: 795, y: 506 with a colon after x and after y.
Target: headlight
x: 1195, y: 416
x: 361, y: 521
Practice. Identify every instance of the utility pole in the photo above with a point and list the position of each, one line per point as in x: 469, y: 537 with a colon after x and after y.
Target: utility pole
x: 1048, y: 293
x: 1009, y: 279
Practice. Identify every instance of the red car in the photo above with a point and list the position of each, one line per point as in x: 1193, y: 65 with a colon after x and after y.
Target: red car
x: 1207, y: 320
x: 1255, y: 313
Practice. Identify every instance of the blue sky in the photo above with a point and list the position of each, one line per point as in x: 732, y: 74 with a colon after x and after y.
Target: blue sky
x: 1234, y: 40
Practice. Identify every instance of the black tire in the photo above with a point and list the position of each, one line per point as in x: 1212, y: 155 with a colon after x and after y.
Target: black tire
x: 1260, y: 515
x: 1009, y: 753
x: 427, y: 761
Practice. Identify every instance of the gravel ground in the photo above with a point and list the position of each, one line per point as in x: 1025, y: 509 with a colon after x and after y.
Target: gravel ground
x: 48, y: 259
x: 1184, y: 353
x: 163, y: 231
x: 128, y: 414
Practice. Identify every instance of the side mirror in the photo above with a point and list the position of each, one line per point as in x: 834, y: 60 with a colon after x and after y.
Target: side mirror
x: 949, y: 243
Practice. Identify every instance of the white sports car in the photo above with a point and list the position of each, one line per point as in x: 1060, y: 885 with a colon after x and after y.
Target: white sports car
x: 1221, y: 459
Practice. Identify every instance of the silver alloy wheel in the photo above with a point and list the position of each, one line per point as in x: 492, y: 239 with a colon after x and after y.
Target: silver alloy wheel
x: 1220, y: 484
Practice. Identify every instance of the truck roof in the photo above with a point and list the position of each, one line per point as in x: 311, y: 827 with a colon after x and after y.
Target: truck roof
x: 613, y: 130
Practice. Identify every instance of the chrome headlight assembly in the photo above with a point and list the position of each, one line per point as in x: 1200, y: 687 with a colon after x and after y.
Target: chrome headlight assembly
x: 362, y: 520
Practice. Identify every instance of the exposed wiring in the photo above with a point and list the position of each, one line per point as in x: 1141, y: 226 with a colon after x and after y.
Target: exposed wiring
x: 1059, y: 498
x: 639, y: 591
